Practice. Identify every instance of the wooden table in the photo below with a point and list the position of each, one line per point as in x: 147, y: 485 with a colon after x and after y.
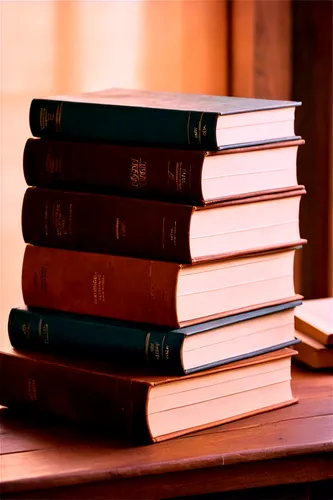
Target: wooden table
x: 289, y: 446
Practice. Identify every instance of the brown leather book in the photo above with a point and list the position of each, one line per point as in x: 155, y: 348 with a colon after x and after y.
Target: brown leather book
x: 158, y: 230
x: 186, y: 176
x: 145, y: 408
x: 155, y: 292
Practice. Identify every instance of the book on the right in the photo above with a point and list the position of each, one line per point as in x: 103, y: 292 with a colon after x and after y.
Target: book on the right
x: 315, y: 319
x: 312, y: 353
x: 314, y: 328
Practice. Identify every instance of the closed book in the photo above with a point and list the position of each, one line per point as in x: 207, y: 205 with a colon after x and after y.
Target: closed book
x: 154, y: 292
x: 183, y: 350
x: 186, y: 176
x: 312, y: 353
x: 163, y: 119
x: 315, y: 319
x: 145, y: 408
x: 159, y: 230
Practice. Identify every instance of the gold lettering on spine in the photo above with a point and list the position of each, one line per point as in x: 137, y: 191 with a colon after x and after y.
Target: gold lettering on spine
x: 138, y: 173
x: 62, y: 223
x: 188, y: 127
x: 162, y: 348
x: 26, y: 329
x: 173, y: 233
x: 163, y: 233
x: 167, y: 352
x: 58, y: 117
x: 117, y: 228
x: 44, y: 118
x: 120, y: 228
x: 147, y: 345
x: 98, y: 288
x: 43, y: 332
x: 32, y: 391
x: 179, y: 177
x: 95, y: 288
x: 200, y: 125
x: 46, y: 219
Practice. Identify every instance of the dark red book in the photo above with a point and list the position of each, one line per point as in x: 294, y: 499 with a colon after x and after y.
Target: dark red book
x: 186, y: 176
x: 159, y: 230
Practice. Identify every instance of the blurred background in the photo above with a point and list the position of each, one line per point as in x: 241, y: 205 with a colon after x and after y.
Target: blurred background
x: 251, y: 48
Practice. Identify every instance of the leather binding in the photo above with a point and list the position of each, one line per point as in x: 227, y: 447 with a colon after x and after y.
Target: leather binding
x: 121, y: 226
x: 134, y: 171
x: 124, y: 288
x: 95, y: 394
x: 139, y: 117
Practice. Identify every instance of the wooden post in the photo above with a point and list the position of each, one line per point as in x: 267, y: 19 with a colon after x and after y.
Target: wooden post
x: 260, y: 48
x: 313, y: 85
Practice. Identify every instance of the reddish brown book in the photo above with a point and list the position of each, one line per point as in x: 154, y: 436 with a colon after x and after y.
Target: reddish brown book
x: 187, y: 176
x: 146, y: 408
x: 155, y: 292
x: 159, y: 230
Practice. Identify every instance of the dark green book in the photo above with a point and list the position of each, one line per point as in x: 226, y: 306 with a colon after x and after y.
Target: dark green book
x: 172, y: 120
x: 184, y: 350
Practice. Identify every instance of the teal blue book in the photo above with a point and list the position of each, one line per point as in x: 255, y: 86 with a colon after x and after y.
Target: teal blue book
x: 172, y: 120
x: 179, y: 351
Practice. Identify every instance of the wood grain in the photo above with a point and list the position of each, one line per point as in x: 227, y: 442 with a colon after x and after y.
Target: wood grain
x: 260, y: 48
x: 313, y: 85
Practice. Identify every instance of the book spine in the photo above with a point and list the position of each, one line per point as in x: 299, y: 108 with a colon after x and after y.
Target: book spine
x: 107, y: 224
x: 110, y: 286
x: 123, y: 124
x: 85, y: 397
x: 65, y: 334
x: 163, y: 174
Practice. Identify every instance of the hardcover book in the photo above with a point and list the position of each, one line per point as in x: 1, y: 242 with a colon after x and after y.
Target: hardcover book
x: 155, y: 292
x: 145, y: 408
x: 159, y: 230
x: 312, y: 353
x: 186, y: 176
x: 315, y: 319
x: 182, y: 350
x: 163, y: 119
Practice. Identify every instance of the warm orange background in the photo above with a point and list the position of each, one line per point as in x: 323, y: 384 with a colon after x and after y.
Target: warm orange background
x: 50, y: 47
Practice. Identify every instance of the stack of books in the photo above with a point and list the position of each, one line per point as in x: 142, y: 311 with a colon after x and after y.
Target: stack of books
x: 314, y: 328
x: 158, y: 282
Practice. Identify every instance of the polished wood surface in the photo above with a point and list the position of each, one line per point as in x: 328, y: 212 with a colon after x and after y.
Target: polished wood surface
x: 45, y: 459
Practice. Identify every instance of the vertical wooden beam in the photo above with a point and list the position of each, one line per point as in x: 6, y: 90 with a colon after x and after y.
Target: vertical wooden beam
x: 313, y: 85
x: 260, y: 48
x: 260, y: 56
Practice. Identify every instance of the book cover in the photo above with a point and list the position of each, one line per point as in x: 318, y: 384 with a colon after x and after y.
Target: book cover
x: 145, y: 408
x: 132, y: 344
x: 185, y: 176
x: 158, y: 118
x: 158, y: 230
x: 155, y: 292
